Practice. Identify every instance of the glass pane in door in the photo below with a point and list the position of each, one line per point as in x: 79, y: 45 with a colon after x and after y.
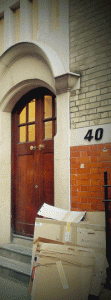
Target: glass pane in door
x: 22, y: 134
x: 47, y: 107
x: 31, y: 111
x: 22, y: 116
x: 48, y: 130
x: 31, y: 133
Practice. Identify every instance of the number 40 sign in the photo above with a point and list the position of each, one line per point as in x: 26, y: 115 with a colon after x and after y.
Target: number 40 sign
x: 98, y: 134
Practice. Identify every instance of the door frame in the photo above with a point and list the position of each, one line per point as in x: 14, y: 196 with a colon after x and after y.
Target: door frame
x: 37, y: 94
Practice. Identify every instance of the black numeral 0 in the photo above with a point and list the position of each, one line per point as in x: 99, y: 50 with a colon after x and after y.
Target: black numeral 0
x: 98, y: 134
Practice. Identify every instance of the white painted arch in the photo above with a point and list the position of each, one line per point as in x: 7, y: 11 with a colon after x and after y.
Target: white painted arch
x: 23, y: 67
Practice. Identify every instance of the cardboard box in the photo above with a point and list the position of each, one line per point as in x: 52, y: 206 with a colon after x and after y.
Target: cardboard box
x: 80, y: 228
x: 59, y: 214
x: 60, y: 231
x: 98, y: 266
x: 56, y: 230
x: 57, y: 224
x: 62, y: 272
x: 85, y: 233
x: 36, y: 251
x: 91, y: 232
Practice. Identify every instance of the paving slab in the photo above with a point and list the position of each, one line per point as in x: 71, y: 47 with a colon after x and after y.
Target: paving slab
x: 12, y: 290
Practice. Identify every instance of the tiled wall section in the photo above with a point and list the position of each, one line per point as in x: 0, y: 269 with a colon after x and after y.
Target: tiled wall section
x: 88, y: 164
x: 90, y: 56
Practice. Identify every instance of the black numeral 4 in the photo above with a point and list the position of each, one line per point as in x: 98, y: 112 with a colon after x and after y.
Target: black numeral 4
x: 89, y: 135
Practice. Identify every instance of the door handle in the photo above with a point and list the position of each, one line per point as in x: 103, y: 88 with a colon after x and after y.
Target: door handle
x: 32, y: 148
x: 36, y: 186
x: 41, y: 147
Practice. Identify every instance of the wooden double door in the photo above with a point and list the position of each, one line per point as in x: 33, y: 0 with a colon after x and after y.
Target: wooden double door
x: 33, y: 130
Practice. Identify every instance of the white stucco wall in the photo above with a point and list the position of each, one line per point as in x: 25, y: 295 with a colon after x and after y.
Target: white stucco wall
x: 5, y: 177
x: 62, y: 153
x: 49, y: 36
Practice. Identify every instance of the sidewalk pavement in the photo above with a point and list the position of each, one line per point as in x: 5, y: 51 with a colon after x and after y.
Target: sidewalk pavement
x: 13, y: 290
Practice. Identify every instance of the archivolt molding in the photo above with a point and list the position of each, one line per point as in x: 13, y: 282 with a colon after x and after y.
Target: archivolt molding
x: 26, y: 66
x: 23, y: 67
x: 21, y: 50
x: 13, y: 95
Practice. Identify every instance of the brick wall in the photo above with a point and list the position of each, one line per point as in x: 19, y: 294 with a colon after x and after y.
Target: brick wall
x: 88, y: 164
x: 90, y: 55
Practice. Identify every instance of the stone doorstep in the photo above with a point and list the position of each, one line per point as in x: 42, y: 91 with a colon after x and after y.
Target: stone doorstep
x: 15, y: 259
x: 19, y: 253
x: 15, y: 265
x: 17, y: 248
x: 22, y: 240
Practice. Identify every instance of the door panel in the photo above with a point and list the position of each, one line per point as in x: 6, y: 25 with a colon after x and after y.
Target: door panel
x: 32, y: 158
x: 25, y: 180
x: 26, y: 209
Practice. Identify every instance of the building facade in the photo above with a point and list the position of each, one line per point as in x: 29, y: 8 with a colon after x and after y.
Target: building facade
x: 53, y: 50
x: 90, y: 107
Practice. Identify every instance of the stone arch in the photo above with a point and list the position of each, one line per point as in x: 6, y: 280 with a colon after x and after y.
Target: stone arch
x: 23, y: 67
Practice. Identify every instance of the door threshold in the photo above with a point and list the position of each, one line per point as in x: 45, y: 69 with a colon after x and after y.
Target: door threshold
x: 22, y: 237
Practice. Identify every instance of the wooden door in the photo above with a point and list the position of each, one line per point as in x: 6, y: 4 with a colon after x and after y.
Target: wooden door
x: 33, y: 129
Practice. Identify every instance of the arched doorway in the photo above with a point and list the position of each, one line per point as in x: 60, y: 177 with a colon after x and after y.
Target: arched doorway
x: 25, y: 67
x: 33, y: 130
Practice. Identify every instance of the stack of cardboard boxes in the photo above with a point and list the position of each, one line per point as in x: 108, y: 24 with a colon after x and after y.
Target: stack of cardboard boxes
x: 68, y: 256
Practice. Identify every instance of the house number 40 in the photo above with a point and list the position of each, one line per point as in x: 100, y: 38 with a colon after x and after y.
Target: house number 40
x: 98, y: 134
